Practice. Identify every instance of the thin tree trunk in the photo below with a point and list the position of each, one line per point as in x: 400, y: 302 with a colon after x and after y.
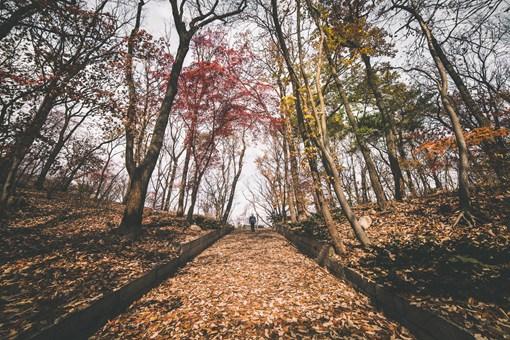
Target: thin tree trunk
x: 364, y: 189
x: 194, y: 195
x: 230, y: 201
x: 184, y: 178
x: 288, y: 183
x: 293, y: 155
x: 496, y: 149
x: 328, y: 220
x: 389, y: 128
x: 372, y: 171
x: 22, y: 146
x: 103, y: 175
x: 402, y: 153
x: 355, y: 181
x: 437, y: 181
x: 321, y: 139
x: 170, y: 186
x: 463, y: 170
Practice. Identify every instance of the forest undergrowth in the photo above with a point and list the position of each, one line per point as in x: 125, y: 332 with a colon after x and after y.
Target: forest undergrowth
x: 58, y: 255
x: 458, y: 270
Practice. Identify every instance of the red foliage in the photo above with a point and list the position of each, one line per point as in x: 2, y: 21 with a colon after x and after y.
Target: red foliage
x: 217, y: 97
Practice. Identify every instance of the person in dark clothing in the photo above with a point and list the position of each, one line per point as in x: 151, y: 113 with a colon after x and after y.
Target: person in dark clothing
x: 252, y: 220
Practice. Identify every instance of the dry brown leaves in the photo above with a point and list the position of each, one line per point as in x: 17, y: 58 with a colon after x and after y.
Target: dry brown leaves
x: 459, y: 271
x: 252, y: 285
x: 56, y: 256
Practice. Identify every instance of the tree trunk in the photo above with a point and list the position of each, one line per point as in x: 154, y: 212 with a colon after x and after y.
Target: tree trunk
x: 372, y: 171
x: 101, y: 181
x: 184, y: 178
x: 288, y: 183
x: 437, y: 181
x: 194, y: 195
x: 133, y: 212
x: 52, y: 157
x: 333, y: 174
x: 320, y: 137
x: 62, y: 139
x: 463, y: 166
x: 464, y: 191
x: 230, y: 201
x: 402, y: 152
x: 364, y: 189
x: 328, y: 220
x: 170, y: 186
x: 496, y: 149
x: 389, y: 128
x: 23, y: 143
x: 131, y: 220
x: 355, y: 181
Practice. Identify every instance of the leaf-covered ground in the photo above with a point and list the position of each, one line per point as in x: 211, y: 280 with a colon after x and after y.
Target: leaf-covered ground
x: 459, y: 271
x: 58, y: 255
x: 252, y: 285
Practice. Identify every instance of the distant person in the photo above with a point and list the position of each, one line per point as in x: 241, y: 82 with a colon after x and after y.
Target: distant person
x: 252, y: 220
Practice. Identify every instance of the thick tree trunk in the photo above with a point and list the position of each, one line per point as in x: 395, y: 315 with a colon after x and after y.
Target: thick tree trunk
x: 133, y: 212
x: 194, y: 195
x: 136, y: 198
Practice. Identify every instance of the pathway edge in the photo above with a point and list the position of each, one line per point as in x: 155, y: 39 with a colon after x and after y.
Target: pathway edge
x: 424, y: 324
x: 84, y: 322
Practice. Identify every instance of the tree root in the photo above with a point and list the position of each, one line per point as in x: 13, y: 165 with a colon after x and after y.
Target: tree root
x: 471, y: 218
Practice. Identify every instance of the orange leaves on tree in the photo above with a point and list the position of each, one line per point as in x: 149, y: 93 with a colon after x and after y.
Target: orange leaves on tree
x: 438, y: 147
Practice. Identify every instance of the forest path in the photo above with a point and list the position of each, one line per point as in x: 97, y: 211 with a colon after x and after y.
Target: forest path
x: 252, y: 285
